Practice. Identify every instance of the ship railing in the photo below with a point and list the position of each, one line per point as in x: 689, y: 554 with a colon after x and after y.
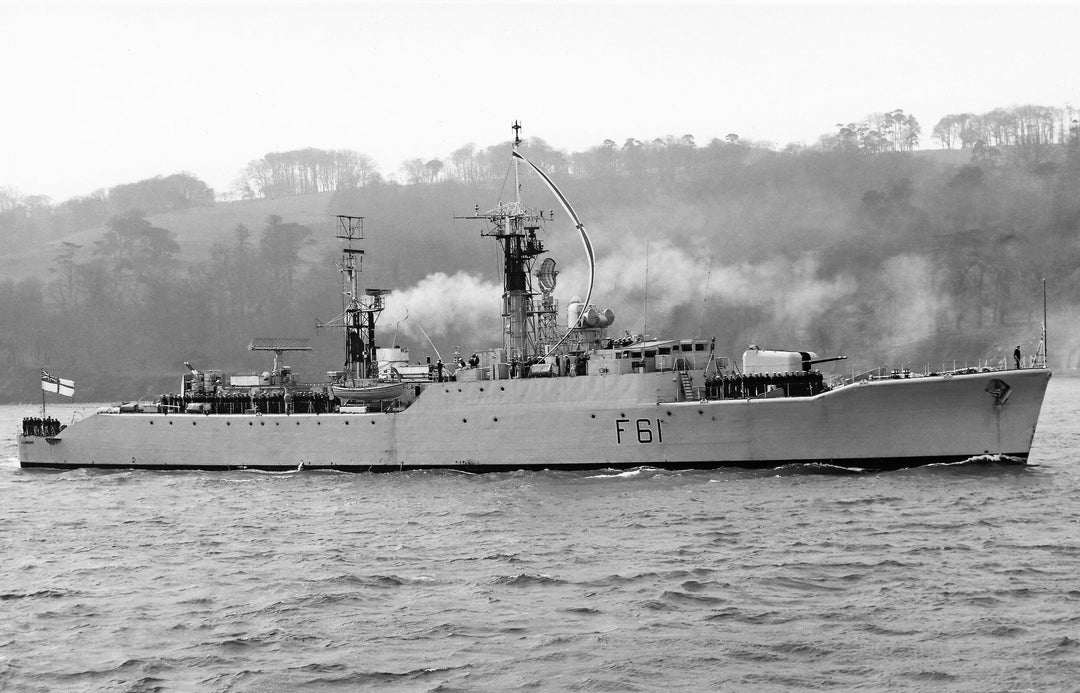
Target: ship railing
x: 906, y: 371
x: 865, y: 376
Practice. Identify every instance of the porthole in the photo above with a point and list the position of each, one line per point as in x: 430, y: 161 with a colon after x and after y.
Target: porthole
x: 372, y: 422
x: 464, y: 421
x: 481, y: 389
x: 495, y: 419
x: 346, y: 423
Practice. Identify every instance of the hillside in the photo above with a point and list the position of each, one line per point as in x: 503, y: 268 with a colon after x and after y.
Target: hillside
x: 196, y: 230
x: 892, y: 259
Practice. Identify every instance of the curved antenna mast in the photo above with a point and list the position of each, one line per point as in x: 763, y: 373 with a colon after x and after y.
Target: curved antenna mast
x: 589, y: 254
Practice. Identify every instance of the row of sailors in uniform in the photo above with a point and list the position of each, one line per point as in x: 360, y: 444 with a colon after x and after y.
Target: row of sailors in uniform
x: 276, y: 402
x: 798, y: 384
x: 34, y: 426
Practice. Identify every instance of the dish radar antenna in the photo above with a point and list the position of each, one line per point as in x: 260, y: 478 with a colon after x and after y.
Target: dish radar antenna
x: 546, y: 277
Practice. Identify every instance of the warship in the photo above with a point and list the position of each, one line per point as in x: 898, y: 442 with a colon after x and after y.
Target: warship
x: 552, y: 395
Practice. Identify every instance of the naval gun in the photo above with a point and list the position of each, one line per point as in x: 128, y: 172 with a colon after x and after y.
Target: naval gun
x: 757, y: 360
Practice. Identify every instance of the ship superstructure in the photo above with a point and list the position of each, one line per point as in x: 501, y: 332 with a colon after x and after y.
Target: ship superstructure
x: 569, y: 397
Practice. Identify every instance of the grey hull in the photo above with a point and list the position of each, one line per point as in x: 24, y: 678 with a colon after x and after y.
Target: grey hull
x: 590, y: 422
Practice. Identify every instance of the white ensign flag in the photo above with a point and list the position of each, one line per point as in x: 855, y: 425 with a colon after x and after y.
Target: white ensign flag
x: 61, y: 386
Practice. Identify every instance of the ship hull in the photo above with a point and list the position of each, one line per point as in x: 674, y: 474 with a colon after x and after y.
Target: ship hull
x: 591, y: 422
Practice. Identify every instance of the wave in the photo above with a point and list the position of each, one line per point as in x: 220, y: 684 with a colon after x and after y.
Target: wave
x: 677, y: 597
x: 1065, y: 646
x: 527, y: 580
x: 984, y: 460
x: 823, y: 468
x: 40, y: 594
x: 365, y: 680
x: 350, y: 580
x: 628, y: 474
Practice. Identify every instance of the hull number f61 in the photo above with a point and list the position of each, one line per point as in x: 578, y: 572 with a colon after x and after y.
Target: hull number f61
x: 646, y: 430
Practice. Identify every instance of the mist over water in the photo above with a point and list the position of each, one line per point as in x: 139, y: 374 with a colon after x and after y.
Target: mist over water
x: 957, y: 578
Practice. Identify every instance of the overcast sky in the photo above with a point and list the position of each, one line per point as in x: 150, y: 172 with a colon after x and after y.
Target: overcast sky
x: 100, y: 94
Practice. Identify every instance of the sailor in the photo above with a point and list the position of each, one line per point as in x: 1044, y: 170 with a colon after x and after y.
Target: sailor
x: 474, y: 361
x: 1016, y: 356
x: 439, y: 370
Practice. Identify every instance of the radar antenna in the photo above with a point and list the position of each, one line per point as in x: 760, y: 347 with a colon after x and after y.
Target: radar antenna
x: 546, y: 277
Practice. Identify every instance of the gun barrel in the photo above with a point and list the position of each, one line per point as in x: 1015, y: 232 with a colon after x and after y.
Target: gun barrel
x: 831, y: 358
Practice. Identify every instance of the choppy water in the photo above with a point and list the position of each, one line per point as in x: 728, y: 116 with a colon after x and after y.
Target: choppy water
x: 961, y: 578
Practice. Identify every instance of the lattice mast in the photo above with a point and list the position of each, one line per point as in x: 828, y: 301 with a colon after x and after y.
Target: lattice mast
x: 515, y: 226
x: 361, y: 312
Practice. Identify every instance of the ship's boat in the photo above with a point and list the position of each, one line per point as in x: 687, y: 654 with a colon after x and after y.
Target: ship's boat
x: 373, y: 392
x: 554, y: 394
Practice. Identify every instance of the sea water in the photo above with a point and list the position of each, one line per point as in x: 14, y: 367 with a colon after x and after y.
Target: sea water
x: 960, y: 578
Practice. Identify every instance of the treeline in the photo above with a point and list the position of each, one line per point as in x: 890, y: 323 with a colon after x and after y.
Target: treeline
x: 880, y: 132
x: 34, y: 219
x: 126, y: 312
x: 306, y: 171
x: 1016, y: 126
